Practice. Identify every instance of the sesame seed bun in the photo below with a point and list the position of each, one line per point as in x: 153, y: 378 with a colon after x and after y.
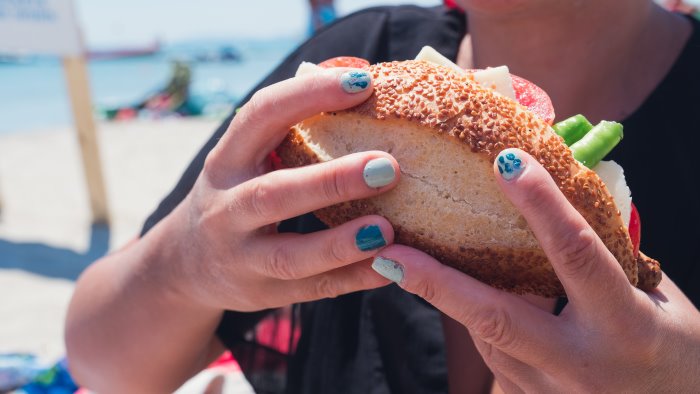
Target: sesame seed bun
x: 445, y: 131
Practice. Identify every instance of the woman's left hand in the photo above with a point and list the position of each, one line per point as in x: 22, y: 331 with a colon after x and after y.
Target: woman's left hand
x: 611, y: 337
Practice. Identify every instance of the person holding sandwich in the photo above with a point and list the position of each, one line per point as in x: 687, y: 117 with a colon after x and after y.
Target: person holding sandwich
x: 212, y: 260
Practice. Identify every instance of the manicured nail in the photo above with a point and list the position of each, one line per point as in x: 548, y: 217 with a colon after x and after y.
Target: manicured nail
x: 369, y: 238
x: 355, y: 81
x: 379, y: 172
x: 388, y: 268
x: 509, y: 163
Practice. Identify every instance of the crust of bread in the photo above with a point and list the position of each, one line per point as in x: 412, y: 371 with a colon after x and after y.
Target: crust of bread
x: 450, y: 105
x: 649, y: 272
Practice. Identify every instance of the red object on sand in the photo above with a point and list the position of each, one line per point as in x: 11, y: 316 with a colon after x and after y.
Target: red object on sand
x: 125, y: 114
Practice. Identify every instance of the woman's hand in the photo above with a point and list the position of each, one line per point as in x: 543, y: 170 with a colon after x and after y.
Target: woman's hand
x: 219, y: 248
x: 610, y: 337
x: 231, y: 256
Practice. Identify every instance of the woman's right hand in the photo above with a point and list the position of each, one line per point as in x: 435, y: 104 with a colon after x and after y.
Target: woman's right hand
x: 226, y: 253
x: 219, y: 248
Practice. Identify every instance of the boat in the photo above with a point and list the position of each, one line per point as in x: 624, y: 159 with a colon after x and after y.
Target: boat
x: 224, y: 54
x: 122, y: 53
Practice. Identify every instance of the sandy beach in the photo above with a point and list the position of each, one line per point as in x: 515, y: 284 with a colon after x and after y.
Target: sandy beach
x: 46, y: 236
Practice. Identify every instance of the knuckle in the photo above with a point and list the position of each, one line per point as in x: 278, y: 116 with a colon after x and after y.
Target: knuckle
x: 262, y: 200
x: 492, y: 325
x: 279, y: 264
x: 260, y: 105
x: 210, y: 164
x: 205, y: 214
x: 427, y: 290
x: 325, y: 287
x: 334, y: 186
x: 578, y: 250
x: 335, y: 252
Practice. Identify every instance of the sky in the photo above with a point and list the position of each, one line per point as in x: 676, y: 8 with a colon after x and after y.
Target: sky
x: 109, y: 23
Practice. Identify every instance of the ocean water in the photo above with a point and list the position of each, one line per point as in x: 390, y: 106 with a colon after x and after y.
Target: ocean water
x: 33, y: 94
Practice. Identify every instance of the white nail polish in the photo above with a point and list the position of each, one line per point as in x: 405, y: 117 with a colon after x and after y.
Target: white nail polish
x: 388, y: 268
x: 379, y: 172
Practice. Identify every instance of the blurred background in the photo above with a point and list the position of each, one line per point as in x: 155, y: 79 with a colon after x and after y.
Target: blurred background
x: 162, y: 75
x: 228, y: 47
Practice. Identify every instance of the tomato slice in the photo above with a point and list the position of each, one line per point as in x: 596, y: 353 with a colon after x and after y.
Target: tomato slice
x: 635, y: 230
x: 345, y: 61
x: 534, y: 98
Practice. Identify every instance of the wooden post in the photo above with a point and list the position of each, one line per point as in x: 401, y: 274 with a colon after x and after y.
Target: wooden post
x: 75, y: 69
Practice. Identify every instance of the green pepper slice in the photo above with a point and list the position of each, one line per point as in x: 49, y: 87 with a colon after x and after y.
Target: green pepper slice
x: 597, y: 143
x: 573, y: 128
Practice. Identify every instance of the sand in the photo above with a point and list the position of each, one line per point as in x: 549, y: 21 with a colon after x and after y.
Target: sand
x: 46, y: 237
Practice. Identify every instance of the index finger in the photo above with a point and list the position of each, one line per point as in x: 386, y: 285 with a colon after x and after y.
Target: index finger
x: 590, y: 274
x: 264, y: 121
x: 501, y: 319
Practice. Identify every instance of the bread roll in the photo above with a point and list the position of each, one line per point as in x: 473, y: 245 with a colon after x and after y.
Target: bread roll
x: 445, y: 131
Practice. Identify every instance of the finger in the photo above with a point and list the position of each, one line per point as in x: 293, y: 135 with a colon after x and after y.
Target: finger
x: 501, y: 319
x: 331, y: 284
x: 284, y: 194
x: 264, y: 121
x: 591, y: 276
x: 296, y: 256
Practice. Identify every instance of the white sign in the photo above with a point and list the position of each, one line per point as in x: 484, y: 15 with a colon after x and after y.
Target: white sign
x: 39, y: 27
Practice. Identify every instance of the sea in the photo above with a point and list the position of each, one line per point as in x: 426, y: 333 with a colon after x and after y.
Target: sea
x: 33, y: 91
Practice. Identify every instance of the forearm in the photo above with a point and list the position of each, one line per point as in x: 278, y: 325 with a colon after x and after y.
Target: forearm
x: 130, y: 330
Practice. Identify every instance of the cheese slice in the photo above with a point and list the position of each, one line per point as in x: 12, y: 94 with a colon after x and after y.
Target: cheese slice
x: 496, y: 78
x: 306, y: 68
x: 613, y: 176
x: 429, y: 54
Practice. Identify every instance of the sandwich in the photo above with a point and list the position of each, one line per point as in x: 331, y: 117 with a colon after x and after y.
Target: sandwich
x: 445, y: 126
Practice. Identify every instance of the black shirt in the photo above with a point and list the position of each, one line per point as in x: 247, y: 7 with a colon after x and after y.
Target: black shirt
x: 386, y: 340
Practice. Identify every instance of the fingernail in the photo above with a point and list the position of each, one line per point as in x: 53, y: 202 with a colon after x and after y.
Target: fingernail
x: 369, y: 238
x: 389, y: 269
x: 379, y: 172
x: 355, y: 81
x: 509, y: 163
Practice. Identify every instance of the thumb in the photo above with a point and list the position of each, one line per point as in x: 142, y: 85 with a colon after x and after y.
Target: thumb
x: 591, y: 276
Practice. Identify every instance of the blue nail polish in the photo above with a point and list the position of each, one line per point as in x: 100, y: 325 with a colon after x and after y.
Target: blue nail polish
x: 388, y: 268
x: 369, y: 238
x: 510, y: 165
x: 355, y: 81
x: 379, y: 172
